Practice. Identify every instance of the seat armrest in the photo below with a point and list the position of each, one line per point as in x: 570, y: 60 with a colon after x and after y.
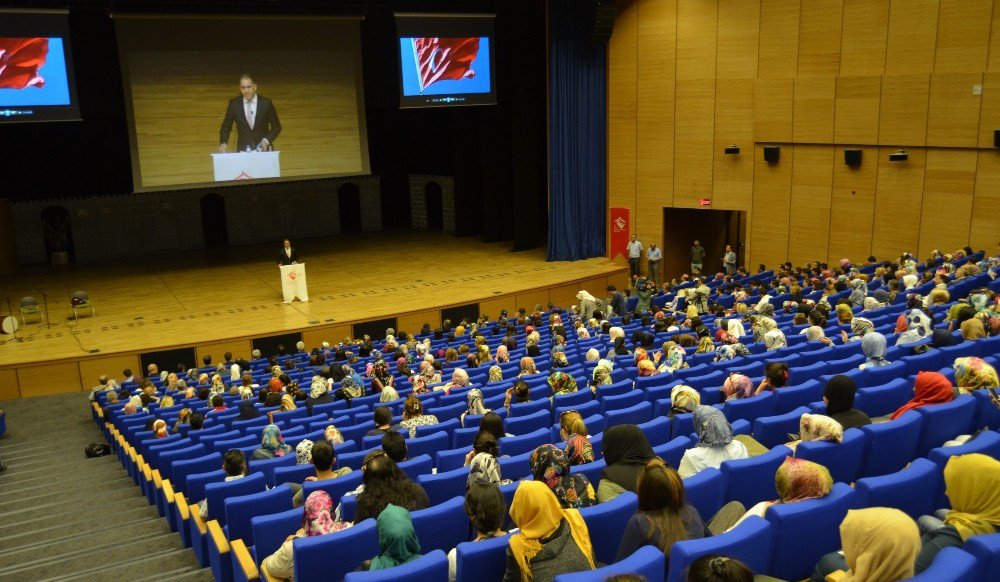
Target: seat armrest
x: 218, y: 536
x: 245, y: 560
x: 198, y: 521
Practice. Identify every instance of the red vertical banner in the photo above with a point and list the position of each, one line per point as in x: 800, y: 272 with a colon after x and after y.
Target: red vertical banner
x: 619, y: 232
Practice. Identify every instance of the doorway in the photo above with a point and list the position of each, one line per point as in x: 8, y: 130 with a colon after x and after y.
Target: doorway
x: 713, y: 228
x: 58, y: 232
x: 214, y: 226
x: 349, y: 204
x: 434, y: 206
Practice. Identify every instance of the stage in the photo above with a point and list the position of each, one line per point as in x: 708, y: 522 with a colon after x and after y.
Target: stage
x: 217, y: 301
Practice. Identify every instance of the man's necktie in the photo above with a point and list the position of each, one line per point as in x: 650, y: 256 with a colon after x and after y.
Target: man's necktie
x: 249, y: 115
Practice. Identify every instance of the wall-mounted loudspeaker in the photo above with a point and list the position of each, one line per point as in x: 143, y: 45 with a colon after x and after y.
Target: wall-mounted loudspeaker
x: 603, y: 22
x: 996, y: 138
x: 852, y: 157
x: 772, y: 154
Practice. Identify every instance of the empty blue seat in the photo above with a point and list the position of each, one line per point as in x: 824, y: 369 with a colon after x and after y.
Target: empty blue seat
x: 801, y: 394
x: 441, y: 487
x: 647, y: 561
x: 951, y: 565
x: 573, y: 398
x: 749, y: 542
x: 943, y: 422
x: 416, y: 466
x: 529, y: 423
x: 706, y: 492
x: 177, y: 465
x: 433, y: 565
x: 516, y: 467
x: 914, y: 490
x: 749, y: 408
x: 447, y: 426
x: 891, y: 445
x: 925, y: 362
x: 987, y: 413
x: 843, y: 459
x: 331, y: 557
x: 750, y: 481
x: 885, y: 398
x: 986, y: 549
x: 883, y: 374
x: 607, y: 520
x: 622, y: 401
x: 774, y: 430
x: 522, y: 444
x: 427, y: 445
x: 657, y: 430
x: 673, y: 450
x: 335, y: 488
x: 636, y: 414
x: 526, y: 408
x: 615, y: 388
x: 816, y: 520
x: 442, y: 526
x: 681, y: 425
x: 293, y: 473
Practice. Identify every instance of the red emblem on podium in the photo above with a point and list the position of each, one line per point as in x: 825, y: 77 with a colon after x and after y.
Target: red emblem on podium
x: 243, y: 176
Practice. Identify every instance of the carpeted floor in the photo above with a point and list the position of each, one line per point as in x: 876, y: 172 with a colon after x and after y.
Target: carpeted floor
x: 66, y: 517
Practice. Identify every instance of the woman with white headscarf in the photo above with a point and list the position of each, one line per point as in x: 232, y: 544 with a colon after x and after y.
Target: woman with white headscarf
x: 587, y: 305
x: 918, y: 327
x: 735, y: 327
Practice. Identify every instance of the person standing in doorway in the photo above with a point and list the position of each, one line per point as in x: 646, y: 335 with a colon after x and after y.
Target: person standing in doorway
x: 729, y: 260
x: 653, y: 257
x: 634, y: 254
x: 697, y: 258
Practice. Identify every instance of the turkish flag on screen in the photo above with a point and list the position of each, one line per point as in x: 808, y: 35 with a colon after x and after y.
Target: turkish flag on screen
x: 444, y: 58
x: 20, y: 59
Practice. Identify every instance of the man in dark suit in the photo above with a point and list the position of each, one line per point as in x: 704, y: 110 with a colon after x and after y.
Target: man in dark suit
x: 256, y: 120
x: 288, y: 256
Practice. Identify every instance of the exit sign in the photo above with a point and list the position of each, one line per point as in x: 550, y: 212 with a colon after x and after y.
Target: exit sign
x: 704, y: 202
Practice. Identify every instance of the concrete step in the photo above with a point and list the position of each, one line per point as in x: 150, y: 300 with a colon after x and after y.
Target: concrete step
x: 118, y: 552
x: 17, y: 497
x: 43, y: 482
x: 64, y: 542
x: 12, y: 522
x: 21, y: 534
x: 149, y: 562
x: 191, y: 574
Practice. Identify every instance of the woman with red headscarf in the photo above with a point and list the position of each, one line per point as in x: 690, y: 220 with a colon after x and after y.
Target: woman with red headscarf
x: 929, y: 388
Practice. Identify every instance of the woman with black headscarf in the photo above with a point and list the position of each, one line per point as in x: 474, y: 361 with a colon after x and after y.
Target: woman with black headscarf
x: 626, y: 451
x: 247, y: 410
x: 839, y: 398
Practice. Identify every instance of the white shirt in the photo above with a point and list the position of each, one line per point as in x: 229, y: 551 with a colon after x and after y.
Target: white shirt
x: 697, y: 458
x: 288, y: 252
x: 654, y: 254
x: 634, y: 249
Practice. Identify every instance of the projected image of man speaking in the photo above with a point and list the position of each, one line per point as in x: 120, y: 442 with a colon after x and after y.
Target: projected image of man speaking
x: 256, y: 120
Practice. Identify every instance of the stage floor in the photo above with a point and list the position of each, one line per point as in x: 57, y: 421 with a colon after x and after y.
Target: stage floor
x: 204, y: 296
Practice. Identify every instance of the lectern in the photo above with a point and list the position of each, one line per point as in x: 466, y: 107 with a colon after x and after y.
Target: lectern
x: 246, y: 166
x: 293, y: 283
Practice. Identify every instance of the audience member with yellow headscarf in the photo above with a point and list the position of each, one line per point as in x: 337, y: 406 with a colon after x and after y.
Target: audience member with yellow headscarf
x: 880, y: 545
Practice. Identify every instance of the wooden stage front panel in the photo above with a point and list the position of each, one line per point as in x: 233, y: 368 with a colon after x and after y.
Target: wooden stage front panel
x: 218, y: 302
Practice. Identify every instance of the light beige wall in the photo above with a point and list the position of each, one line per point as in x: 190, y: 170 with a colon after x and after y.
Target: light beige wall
x: 688, y: 77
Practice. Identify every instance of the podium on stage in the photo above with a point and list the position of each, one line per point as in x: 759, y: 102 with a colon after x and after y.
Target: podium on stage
x: 293, y: 283
x: 246, y: 165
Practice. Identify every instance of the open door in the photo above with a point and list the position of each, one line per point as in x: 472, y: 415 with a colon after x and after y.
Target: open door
x: 713, y: 228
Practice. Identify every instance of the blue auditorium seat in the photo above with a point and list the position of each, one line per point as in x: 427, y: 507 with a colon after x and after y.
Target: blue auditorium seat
x: 333, y: 556
x: 801, y: 394
x: 657, y: 430
x: 749, y: 542
x: 516, y: 467
x: 774, y: 430
x: 522, y: 425
x: 573, y: 398
x: 885, y: 398
x: 706, y: 492
x: 622, y: 401
x: 891, y: 445
x: 447, y: 426
x: 177, y: 465
x: 270, y: 531
x: 441, y: 487
x: 750, y: 481
x: 986, y: 549
x: 615, y: 388
x: 647, y: 561
x: 749, y: 408
x: 883, y: 374
x: 914, y: 490
x: 815, y: 520
x: 239, y: 511
x: 681, y: 425
x: 951, y: 565
x: 442, y: 526
x: 526, y: 408
x: 672, y: 451
x: 606, y: 522
x: 842, y: 459
x: 517, y: 445
x: 427, y: 445
x: 430, y: 566
x: 591, y: 470
x: 335, y: 488
x: 943, y: 422
x: 635, y: 414
x: 483, y: 561
x: 987, y: 414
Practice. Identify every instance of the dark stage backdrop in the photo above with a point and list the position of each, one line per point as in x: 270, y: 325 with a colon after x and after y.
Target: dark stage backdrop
x: 497, y: 154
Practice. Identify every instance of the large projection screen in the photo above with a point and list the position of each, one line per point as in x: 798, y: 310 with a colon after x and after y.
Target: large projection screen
x: 180, y: 74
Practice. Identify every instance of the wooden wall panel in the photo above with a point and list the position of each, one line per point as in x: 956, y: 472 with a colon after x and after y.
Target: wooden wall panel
x: 897, y: 195
x: 412, y: 322
x: 622, y: 52
x: 334, y: 334
x: 492, y: 307
x: 92, y: 369
x: 865, y: 30
x: 54, y: 378
x: 732, y: 176
x: 8, y: 385
x: 912, y: 37
x: 993, y: 60
x: 949, y: 184
x: 953, y: 111
x: 773, y: 104
x: 694, y: 135
x: 239, y: 349
x: 529, y: 299
x: 739, y: 28
x: 985, y: 225
x: 654, y: 130
x: 809, y: 204
x: 963, y: 36
x: 565, y: 295
x: 852, y: 210
x: 819, y: 38
x: 779, y: 39
x: 768, y: 228
x: 812, y: 121
x: 903, y: 105
x: 989, y: 109
x: 697, y: 26
x: 857, y: 106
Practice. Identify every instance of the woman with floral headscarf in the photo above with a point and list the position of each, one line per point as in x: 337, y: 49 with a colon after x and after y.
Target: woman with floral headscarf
x: 380, y: 376
x: 859, y: 327
x: 426, y: 378
x: 715, y: 442
x: 817, y: 427
x: 647, y: 368
x: 795, y: 480
x: 705, y: 345
x: 317, y: 520
x: 476, y: 406
x: 675, y: 360
x: 350, y: 388
x: 775, y: 340
x: 527, y: 367
x: 918, y: 327
x: 973, y: 373
x: 303, y: 452
x: 760, y: 325
x: 737, y: 387
x: 561, y: 383
x: 683, y: 400
x: 550, y: 465
x: 271, y: 444
x: 459, y: 379
x: 602, y: 374
x: 559, y: 359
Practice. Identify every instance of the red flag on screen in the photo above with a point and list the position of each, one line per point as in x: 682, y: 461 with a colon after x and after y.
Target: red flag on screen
x: 20, y: 59
x: 444, y: 58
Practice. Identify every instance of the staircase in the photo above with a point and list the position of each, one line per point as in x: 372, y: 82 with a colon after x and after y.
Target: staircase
x: 66, y: 517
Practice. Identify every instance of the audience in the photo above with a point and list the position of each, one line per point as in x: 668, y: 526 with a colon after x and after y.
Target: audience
x: 385, y: 483
x: 271, y: 444
x: 880, y: 545
x: 626, y: 452
x: 234, y: 463
x: 550, y: 465
x: 715, y: 443
x: 573, y: 430
x: 383, y: 421
x: 316, y: 521
x: 838, y: 395
x: 322, y: 457
x: 486, y: 508
x: 795, y: 480
x: 413, y: 416
x: 929, y: 388
x: 397, y: 542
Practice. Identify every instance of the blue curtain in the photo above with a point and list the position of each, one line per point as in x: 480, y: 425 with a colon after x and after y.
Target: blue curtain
x: 577, y: 135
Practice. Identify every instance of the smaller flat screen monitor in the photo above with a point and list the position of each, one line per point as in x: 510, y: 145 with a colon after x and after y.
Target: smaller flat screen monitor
x: 36, y: 68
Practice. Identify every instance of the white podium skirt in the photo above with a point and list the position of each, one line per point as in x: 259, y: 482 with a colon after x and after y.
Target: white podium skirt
x: 246, y: 165
x: 293, y: 283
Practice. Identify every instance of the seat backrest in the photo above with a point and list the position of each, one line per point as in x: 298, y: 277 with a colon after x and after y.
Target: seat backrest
x: 884, y: 398
x: 657, y: 430
x: 293, y: 473
x: 622, y: 401
x: 194, y: 485
x: 331, y: 557
x: 774, y: 430
x: 334, y: 487
x: 442, y: 526
x: 427, y: 445
x: 516, y: 467
x: 647, y: 561
x: 816, y: 520
x: 526, y: 408
x: 751, y: 481
x: 986, y: 549
x: 891, y: 445
x: 706, y: 492
x: 914, y: 490
x: 216, y: 493
x: 441, y: 487
x: 523, y: 425
x: 483, y: 561
x: 431, y: 565
x: 517, y: 445
x: 843, y: 459
x: 672, y: 451
x: 266, y: 467
x: 801, y: 394
x: 749, y: 408
x: 749, y: 542
x: 416, y: 466
x: 606, y: 522
x: 635, y: 414
x: 241, y: 509
x: 446, y: 426
x: 945, y: 421
x: 591, y: 470
x: 951, y: 565
x: 270, y: 531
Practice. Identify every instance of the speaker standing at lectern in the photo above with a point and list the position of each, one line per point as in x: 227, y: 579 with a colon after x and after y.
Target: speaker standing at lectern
x: 256, y: 120
x: 288, y: 255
